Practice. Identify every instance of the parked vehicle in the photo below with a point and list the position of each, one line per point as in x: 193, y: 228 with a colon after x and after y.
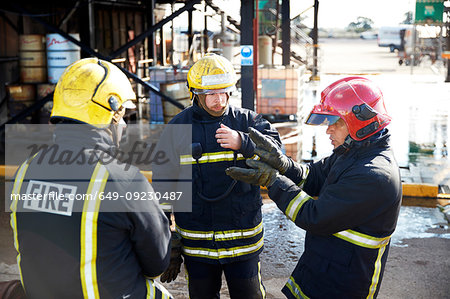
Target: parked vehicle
x: 369, y: 35
x: 389, y: 36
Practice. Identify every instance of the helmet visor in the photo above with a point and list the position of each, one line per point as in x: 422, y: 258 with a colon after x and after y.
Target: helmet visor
x: 321, y: 119
x: 213, y: 91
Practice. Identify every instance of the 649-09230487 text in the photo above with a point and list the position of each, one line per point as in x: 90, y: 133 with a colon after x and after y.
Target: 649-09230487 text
x: 144, y: 195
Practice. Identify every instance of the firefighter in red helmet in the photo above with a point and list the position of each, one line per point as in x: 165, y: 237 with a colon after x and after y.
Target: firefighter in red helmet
x: 358, y: 189
x: 358, y: 102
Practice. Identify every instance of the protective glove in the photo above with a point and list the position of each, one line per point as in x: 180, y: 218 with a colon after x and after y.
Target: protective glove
x: 175, y: 259
x: 261, y: 174
x: 269, y: 152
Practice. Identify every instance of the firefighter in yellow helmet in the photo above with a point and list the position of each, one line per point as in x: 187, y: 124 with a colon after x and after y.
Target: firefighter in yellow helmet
x: 224, y: 232
x: 212, y: 78
x: 90, y: 242
x: 94, y: 92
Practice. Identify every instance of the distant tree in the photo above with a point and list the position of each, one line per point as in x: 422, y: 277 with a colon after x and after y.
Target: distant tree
x: 408, y: 18
x: 362, y: 24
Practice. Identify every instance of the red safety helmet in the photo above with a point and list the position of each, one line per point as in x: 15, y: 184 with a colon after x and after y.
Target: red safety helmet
x: 358, y: 101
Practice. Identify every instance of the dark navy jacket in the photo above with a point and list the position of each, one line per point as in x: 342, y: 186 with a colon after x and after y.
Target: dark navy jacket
x: 86, y: 248
x: 229, y: 229
x: 348, y: 226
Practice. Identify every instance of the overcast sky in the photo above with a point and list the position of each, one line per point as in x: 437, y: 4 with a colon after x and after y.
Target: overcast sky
x: 339, y: 13
x: 333, y: 13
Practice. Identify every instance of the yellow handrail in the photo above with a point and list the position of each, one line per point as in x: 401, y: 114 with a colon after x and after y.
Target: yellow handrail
x: 8, y: 172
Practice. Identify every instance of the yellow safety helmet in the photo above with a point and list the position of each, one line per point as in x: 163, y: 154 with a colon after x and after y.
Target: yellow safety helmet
x: 211, y: 74
x: 90, y: 91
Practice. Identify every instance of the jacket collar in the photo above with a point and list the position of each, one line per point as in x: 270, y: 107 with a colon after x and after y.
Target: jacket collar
x: 350, y: 144
x: 83, y: 136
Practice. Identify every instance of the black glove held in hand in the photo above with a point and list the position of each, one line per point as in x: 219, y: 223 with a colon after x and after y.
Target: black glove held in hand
x: 269, y: 152
x: 175, y: 259
x: 260, y: 174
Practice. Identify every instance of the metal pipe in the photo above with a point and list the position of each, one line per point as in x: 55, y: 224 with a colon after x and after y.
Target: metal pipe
x: 315, y: 70
x: 255, y: 49
x: 190, y: 33
x: 151, y: 52
x: 69, y: 14
x: 205, y: 31
x: 172, y: 38
x: 91, y: 24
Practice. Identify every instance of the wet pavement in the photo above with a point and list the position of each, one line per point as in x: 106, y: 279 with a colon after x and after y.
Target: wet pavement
x: 419, y: 222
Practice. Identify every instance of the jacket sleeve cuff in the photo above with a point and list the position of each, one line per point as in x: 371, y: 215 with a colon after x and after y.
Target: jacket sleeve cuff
x: 247, y: 145
x: 281, y: 184
x: 297, y: 173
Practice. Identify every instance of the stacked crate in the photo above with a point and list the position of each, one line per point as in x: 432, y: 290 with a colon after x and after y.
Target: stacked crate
x: 280, y: 92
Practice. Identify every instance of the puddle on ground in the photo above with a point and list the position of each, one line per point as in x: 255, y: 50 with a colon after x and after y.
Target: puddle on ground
x: 419, y: 222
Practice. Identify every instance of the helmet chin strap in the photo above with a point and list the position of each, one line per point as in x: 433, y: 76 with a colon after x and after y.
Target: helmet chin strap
x: 348, y: 142
x: 117, y: 126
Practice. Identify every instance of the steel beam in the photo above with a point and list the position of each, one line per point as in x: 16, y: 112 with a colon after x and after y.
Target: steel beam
x: 151, y: 53
x: 247, y: 16
x: 286, y: 32
x: 315, y: 70
x: 190, y: 32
